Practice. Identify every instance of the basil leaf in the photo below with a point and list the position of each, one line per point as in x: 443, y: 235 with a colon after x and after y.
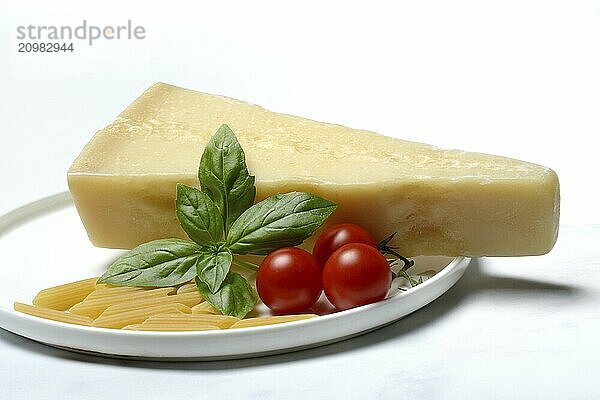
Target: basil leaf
x: 236, y: 297
x: 164, y: 262
x: 278, y: 221
x: 198, y: 216
x: 213, y: 267
x: 224, y: 177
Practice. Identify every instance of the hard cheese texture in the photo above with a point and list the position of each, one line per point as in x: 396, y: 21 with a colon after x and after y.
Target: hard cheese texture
x: 440, y: 202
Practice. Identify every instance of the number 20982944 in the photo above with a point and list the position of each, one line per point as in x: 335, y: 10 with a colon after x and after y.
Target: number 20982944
x: 45, y: 47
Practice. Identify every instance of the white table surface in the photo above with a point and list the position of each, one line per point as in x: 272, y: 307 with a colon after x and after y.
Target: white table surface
x: 517, y: 78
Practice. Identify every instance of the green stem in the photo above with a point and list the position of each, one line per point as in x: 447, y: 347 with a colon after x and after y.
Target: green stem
x: 245, y: 264
x: 413, y: 282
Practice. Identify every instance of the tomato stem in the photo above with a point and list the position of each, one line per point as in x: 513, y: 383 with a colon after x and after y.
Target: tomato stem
x: 385, y: 249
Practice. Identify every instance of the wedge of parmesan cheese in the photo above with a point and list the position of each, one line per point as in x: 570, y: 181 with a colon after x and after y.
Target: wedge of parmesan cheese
x: 440, y: 202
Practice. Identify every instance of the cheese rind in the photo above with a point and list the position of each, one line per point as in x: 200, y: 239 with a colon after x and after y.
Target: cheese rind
x: 441, y: 202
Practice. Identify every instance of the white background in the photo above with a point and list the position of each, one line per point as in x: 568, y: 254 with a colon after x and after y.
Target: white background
x: 515, y: 78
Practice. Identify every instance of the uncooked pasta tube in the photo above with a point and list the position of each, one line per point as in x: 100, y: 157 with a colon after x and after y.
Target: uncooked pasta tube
x: 260, y: 321
x: 120, y: 320
x: 94, y: 307
x: 64, y: 296
x: 54, y: 315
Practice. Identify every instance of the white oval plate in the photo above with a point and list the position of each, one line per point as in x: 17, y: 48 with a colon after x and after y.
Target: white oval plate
x: 44, y: 244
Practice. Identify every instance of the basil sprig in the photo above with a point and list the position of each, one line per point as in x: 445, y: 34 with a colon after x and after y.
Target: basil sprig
x: 224, y: 175
x: 278, y: 221
x: 221, y: 221
x: 213, y: 267
x: 163, y: 262
x: 198, y: 216
x: 235, y: 297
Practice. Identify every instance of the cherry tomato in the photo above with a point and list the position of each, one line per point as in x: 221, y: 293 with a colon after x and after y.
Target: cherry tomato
x: 356, y: 274
x: 289, y: 280
x: 338, y: 235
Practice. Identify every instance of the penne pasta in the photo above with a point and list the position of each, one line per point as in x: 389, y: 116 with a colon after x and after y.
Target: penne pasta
x: 221, y: 321
x: 64, y: 296
x: 171, y: 327
x: 262, y: 321
x: 188, y: 299
x: 187, y: 288
x: 131, y: 317
x: 174, y: 308
x: 113, y: 291
x: 95, y: 306
x: 54, y: 315
x: 205, y: 308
